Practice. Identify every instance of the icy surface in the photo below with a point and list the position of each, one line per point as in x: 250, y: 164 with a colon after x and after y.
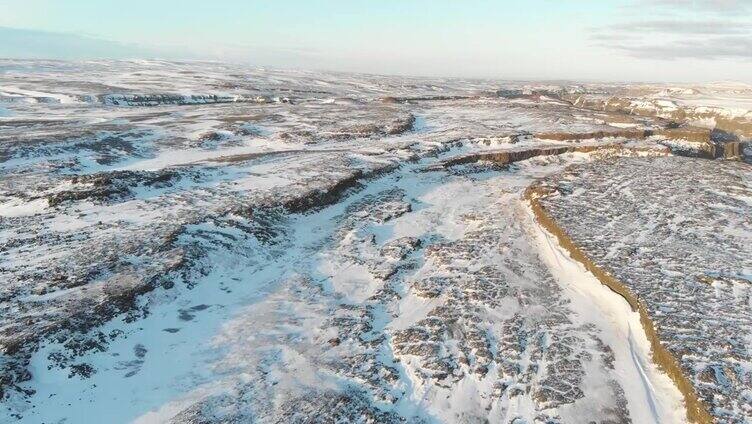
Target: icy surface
x: 201, y: 242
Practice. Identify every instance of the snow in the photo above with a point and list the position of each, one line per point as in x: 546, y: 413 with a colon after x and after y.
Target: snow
x: 643, y: 382
x: 695, y: 292
x: 25, y: 93
x: 623, y: 124
x: 316, y: 254
x: 15, y: 209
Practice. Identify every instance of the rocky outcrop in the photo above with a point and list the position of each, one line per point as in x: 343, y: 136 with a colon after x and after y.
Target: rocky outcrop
x: 697, y: 411
x: 511, y: 156
x: 416, y: 99
x: 674, y: 232
x: 105, y: 186
x: 180, y: 99
x: 739, y: 125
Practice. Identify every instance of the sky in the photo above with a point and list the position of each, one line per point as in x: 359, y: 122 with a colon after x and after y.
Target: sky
x: 605, y: 40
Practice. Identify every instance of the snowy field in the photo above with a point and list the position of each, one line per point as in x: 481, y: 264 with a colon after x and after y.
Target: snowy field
x: 678, y: 232
x: 200, y: 242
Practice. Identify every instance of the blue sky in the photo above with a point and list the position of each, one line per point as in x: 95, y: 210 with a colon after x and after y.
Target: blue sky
x: 600, y: 40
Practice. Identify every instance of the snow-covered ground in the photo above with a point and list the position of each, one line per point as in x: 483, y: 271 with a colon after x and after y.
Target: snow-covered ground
x: 200, y: 242
x: 511, y: 329
x: 724, y: 106
x: 683, y: 249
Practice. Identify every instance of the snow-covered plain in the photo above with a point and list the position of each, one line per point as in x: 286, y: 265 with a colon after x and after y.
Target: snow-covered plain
x: 201, y: 242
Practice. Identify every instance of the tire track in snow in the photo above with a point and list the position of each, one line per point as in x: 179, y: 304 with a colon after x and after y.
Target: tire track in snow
x: 651, y: 394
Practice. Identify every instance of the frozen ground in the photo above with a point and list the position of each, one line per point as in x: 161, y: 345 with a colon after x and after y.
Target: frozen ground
x: 199, y: 242
x: 725, y: 107
x: 677, y: 231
